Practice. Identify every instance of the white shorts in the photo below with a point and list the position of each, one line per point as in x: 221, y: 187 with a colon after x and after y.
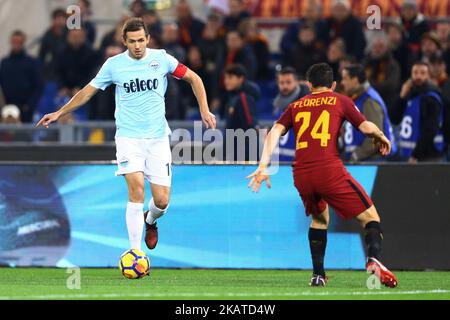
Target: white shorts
x: 153, y: 157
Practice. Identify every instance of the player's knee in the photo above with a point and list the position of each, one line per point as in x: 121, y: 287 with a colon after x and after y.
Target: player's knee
x: 136, y: 194
x: 367, y: 216
x: 320, y: 222
x: 161, y: 202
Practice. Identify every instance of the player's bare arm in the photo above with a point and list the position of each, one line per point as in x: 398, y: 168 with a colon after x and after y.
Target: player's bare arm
x: 199, y: 90
x: 262, y: 173
x: 79, y: 99
x: 380, y: 141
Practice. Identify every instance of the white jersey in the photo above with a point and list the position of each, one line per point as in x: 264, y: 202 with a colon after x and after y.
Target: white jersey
x: 140, y: 88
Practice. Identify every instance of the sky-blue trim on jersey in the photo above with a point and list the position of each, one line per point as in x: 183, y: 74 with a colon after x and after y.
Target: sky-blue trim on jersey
x: 140, y: 88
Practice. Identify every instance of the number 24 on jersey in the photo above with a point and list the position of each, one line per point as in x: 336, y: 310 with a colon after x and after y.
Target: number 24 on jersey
x: 320, y: 130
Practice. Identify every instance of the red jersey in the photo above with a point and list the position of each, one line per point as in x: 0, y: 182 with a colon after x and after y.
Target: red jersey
x: 317, y: 119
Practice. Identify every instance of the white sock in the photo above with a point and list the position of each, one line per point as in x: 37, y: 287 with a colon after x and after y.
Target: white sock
x: 135, y: 223
x: 155, y: 212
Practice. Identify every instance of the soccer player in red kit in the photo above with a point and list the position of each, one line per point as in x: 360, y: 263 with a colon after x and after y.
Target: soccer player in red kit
x: 320, y: 176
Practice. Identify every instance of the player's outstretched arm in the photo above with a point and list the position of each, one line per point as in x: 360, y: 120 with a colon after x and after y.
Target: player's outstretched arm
x: 82, y: 96
x: 262, y: 173
x: 198, y: 88
x: 380, y: 141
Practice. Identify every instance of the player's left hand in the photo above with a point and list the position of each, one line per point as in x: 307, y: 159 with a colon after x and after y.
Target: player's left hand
x: 209, y: 119
x: 383, y: 145
x: 261, y: 174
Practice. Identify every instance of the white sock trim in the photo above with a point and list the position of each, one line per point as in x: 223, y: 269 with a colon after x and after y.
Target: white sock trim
x: 155, y: 212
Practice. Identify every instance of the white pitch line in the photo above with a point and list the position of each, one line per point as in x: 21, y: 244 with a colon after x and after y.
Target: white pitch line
x: 217, y: 295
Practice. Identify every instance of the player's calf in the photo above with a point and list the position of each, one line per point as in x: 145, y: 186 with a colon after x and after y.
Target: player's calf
x: 317, y: 244
x: 373, y: 238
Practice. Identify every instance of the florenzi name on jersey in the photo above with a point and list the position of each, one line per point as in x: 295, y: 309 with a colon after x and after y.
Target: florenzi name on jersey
x: 315, y: 102
x: 138, y: 85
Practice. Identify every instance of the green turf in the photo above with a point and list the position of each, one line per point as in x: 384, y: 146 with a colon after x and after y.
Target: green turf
x: 215, y: 284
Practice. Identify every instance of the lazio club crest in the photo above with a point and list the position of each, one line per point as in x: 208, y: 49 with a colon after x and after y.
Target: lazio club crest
x: 154, y: 65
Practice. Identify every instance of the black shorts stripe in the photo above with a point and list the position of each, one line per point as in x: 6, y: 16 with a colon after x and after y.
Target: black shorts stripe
x: 360, y: 194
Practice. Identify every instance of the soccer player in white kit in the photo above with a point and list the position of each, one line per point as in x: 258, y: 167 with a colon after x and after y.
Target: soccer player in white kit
x: 142, y: 132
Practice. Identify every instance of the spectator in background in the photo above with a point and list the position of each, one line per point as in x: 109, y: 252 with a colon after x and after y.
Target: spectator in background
x: 344, y: 62
x: 383, y: 72
x: 260, y: 46
x: 335, y: 53
x: 306, y: 52
x: 194, y: 61
x: 137, y: 8
x: 52, y: 42
x: 179, y: 95
x: 440, y: 78
x: 419, y: 110
x: 211, y: 48
x: 75, y: 66
x: 290, y: 89
x: 399, y: 49
x: 236, y: 14
x: 86, y: 24
x: 443, y: 33
x: 153, y: 23
x: 77, y: 62
x: 10, y: 115
x: 414, y: 25
x: 343, y: 24
x: 21, y: 77
x: 429, y: 46
x: 240, y: 108
x: 357, y: 146
x: 113, y: 38
x: 104, y: 101
x: 238, y: 52
x: 313, y: 15
x: 170, y: 41
x: 191, y: 28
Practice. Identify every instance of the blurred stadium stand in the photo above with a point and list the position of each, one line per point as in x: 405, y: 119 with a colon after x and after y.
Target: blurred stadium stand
x: 271, y: 21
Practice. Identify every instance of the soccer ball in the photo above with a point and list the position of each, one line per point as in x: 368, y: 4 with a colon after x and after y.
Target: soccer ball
x: 134, y: 264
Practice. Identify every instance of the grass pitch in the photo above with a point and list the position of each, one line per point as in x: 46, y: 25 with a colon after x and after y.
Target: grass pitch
x: 105, y: 284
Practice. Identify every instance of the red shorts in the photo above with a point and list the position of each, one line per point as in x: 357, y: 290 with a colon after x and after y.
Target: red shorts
x: 333, y: 186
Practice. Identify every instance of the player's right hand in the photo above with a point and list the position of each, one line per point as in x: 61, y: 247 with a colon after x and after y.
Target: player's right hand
x: 48, y: 118
x: 209, y: 119
x: 261, y: 174
x: 383, y: 145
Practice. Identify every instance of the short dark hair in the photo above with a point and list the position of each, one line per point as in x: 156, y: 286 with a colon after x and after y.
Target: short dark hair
x: 238, y: 32
x: 134, y: 24
x: 236, y: 70
x: 357, y: 71
x: 59, y: 12
x: 18, y: 33
x: 320, y: 75
x: 420, y: 63
x: 288, y: 70
x: 307, y: 26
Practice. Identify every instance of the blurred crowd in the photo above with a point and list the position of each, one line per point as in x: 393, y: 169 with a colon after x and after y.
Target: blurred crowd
x: 244, y: 80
